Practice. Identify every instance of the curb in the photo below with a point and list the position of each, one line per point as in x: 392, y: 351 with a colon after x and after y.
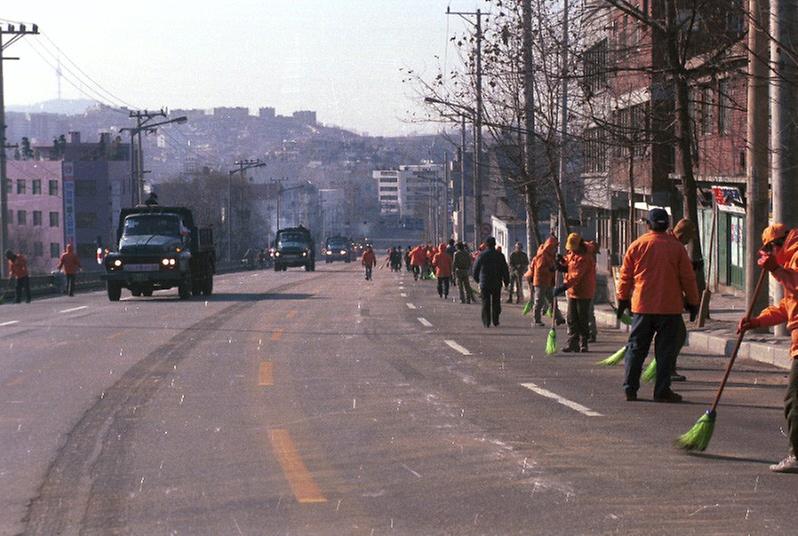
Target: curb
x: 771, y: 350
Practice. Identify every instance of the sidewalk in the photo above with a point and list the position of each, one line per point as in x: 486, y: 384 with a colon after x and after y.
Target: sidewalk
x: 719, y: 334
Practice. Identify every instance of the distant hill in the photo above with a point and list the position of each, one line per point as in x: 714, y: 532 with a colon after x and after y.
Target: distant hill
x: 56, y: 106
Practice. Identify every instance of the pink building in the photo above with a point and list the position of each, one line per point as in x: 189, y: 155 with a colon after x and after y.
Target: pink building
x: 36, y: 212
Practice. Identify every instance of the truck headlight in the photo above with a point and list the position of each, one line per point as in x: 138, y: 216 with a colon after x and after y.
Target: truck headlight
x: 276, y: 253
x: 168, y: 262
x: 329, y: 253
x: 343, y: 252
x: 304, y: 253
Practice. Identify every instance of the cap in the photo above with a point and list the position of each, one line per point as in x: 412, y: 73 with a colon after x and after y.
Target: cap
x: 573, y: 241
x: 774, y: 232
x: 490, y: 241
x: 684, y: 230
x: 658, y: 218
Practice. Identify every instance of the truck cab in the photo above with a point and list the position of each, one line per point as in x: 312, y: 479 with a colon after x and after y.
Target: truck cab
x: 294, y: 246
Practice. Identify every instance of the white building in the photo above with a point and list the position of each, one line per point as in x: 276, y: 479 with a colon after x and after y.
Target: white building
x: 412, y: 191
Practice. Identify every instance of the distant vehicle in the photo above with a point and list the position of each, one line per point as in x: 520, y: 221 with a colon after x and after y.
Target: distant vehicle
x: 160, y: 248
x: 294, y: 247
x: 337, y: 248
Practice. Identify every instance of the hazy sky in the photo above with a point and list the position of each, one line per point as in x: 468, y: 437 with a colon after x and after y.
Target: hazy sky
x: 338, y: 57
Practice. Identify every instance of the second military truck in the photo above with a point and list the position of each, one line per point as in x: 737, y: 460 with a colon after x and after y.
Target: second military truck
x: 294, y: 246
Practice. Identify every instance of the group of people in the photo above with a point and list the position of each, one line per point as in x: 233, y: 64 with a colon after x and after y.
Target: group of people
x: 68, y: 262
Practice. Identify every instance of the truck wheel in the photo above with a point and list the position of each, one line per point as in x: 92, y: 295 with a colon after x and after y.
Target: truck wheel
x: 136, y: 292
x: 308, y: 267
x: 114, y: 290
x: 184, y: 289
x: 207, y: 288
x: 147, y: 292
x: 196, y: 287
x: 277, y: 267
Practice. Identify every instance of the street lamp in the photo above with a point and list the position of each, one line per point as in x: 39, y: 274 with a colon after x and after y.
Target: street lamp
x: 243, y: 165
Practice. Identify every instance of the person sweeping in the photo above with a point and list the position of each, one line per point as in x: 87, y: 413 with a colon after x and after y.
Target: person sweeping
x: 779, y: 256
x: 656, y: 283
x: 579, y: 281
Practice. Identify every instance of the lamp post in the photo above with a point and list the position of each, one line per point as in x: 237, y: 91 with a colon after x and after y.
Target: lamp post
x: 243, y: 165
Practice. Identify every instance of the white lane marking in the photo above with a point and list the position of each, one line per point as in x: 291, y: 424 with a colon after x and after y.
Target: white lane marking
x: 454, y: 346
x: 410, y: 306
x: 73, y: 309
x: 564, y: 401
x: 403, y: 295
x: 9, y: 323
x: 425, y: 322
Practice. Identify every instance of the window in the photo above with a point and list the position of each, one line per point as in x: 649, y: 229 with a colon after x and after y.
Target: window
x: 389, y: 179
x: 595, y: 65
x: 36, y: 186
x: 9, y: 186
x: 10, y: 215
x: 20, y: 186
x: 85, y: 188
x: 22, y: 217
x: 55, y: 250
x: 86, y: 219
x: 706, y: 110
x: 595, y: 151
x: 52, y: 187
x: 54, y: 219
x: 38, y: 249
x: 37, y: 217
x: 388, y: 189
x: 724, y: 107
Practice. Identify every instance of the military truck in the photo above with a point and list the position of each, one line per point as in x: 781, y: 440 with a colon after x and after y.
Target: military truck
x: 160, y: 248
x: 337, y: 248
x: 293, y: 246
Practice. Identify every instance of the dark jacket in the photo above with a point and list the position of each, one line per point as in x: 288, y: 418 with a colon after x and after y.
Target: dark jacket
x: 519, y: 261
x: 462, y: 260
x: 491, y: 270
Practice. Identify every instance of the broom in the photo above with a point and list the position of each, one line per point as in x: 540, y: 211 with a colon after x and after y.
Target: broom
x: 551, y: 340
x: 698, y: 437
x: 651, y: 371
x: 5, y: 290
x: 527, y: 308
x: 614, y: 359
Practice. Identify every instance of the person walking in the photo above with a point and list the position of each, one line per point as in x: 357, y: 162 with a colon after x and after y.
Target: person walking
x: 779, y: 256
x: 684, y: 231
x: 18, y: 269
x: 542, y: 271
x: 443, y: 271
x: 592, y: 249
x: 369, y: 261
x: 656, y: 283
x: 462, y: 265
x: 69, y: 263
x: 580, y: 284
x: 417, y: 259
x: 491, y: 272
x: 519, y: 261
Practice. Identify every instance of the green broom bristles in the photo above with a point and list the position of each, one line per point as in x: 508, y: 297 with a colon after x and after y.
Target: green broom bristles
x: 551, y: 342
x: 651, y: 372
x: 626, y: 319
x: 527, y: 308
x: 698, y: 437
x: 614, y: 359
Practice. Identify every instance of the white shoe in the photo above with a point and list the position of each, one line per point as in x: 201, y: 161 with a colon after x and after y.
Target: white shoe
x: 787, y: 465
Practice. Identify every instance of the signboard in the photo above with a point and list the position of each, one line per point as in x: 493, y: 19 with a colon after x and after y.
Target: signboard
x: 728, y: 196
x: 69, y: 213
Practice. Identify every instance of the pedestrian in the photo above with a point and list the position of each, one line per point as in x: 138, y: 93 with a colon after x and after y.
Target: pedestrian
x: 656, y: 283
x: 519, y: 261
x: 451, y: 248
x: 542, y: 271
x: 779, y: 256
x: 684, y: 231
x: 417, y: 259
x: 491, y: 272
x: 592, y: 249
x: 407, y: 259
x: 462, y: 265
x: 18, y: 269
x: 580, y: 284
x: 443, y: 271
x: 369, y: 261
x: 70, y: 264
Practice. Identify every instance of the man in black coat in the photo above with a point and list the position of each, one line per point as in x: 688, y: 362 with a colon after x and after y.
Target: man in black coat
x: 491, y: 272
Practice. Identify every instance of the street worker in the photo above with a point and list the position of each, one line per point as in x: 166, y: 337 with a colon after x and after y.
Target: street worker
x: 462, y: 265
x: 656, y: 283
x: 580, y: 283
x: 592, y: 249
x: 442, y: 263
x: 779, y: 256
x: 18, y: 269
x: 417, y: 259
x: 519, y: 261
x: 684, y: 231
x: 369, y: 261
x: 407, y: 258
x: 70, y: 264
x: 541, y: 274
x: 491, y: 272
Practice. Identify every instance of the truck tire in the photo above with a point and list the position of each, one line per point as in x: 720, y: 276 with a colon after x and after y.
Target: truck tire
x: 147, y: 291
x: 136, y: 292
x: 207, y: 288
x: 114, y: 290
x: 277, y: 267
x: 184, y: 289
x: 308, y: 267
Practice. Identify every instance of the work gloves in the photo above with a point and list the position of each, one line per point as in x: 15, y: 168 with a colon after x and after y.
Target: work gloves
x: 559, y: 291
x: 767, y: 261
x: 748, y: 323
x: 623, y: 306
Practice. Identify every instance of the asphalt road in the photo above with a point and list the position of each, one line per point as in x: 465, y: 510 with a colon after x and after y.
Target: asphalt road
x: 318, y: 403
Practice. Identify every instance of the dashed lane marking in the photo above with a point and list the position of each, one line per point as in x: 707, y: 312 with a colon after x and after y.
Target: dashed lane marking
x: 265, y: 376
x: 454, y: 346
x: 277, y: 335
x: 9, y: 323
x: 299, y: 478
x: 410, y: 306
x: 425, y: 322
x: 73, y: 309
x: 564, y: 401
x: 403, y: 295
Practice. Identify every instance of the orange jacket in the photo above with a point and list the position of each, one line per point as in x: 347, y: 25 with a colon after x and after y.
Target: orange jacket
x: 418, y: 256
x: 368, y: 258
x: 541, y: 269
x: 69, y: 262
x: 581, y: 275
x: 442, y: 262
x: 18, y: 267
x: 657, y: 275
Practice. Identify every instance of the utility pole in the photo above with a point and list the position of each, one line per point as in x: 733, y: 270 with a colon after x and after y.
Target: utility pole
x: 784, y: 107
x: 530, y: 188
x: 563, y: 165
x: 477, y: 118
x: 463, y: 238
x: 243, y: 165
x: 16, y: 34
x: 757, y: 147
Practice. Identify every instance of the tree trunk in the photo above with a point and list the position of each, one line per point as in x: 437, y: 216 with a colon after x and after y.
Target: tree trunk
x: 532, y: 225
x: 631, y: 177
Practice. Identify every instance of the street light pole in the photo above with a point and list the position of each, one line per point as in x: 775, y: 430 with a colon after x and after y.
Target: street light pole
x: 243, y: 165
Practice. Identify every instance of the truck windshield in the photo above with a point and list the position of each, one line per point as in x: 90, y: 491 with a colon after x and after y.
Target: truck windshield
x: 151, y: 225
x: 292, y: 241
x: 337, y: 244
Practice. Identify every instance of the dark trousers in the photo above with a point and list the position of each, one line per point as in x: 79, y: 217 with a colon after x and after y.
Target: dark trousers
x: 368, y: 272
x: 464, y: 285
x: 22, y: 283
x: 681, y: 337
x: 443, y: 287
x: 791, y: 408
x: 416, y: 272
x: 516, y: 286
x: 664, y: 331
x: 70, y: 284
x: 578, y: 319
x: 491, y: 305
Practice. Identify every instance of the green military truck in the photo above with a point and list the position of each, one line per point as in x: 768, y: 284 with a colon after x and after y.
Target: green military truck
x: 160, y: 248
x: 294, y: 246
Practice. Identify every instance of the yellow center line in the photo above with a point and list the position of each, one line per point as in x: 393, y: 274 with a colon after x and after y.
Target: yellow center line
x: 265, y: 377
x: 299, y: 478
x: 291, y: 314
x: 277, y: 334
x: 15, y: 381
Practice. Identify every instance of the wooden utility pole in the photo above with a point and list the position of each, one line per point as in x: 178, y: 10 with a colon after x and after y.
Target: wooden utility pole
x: 530, y: 187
